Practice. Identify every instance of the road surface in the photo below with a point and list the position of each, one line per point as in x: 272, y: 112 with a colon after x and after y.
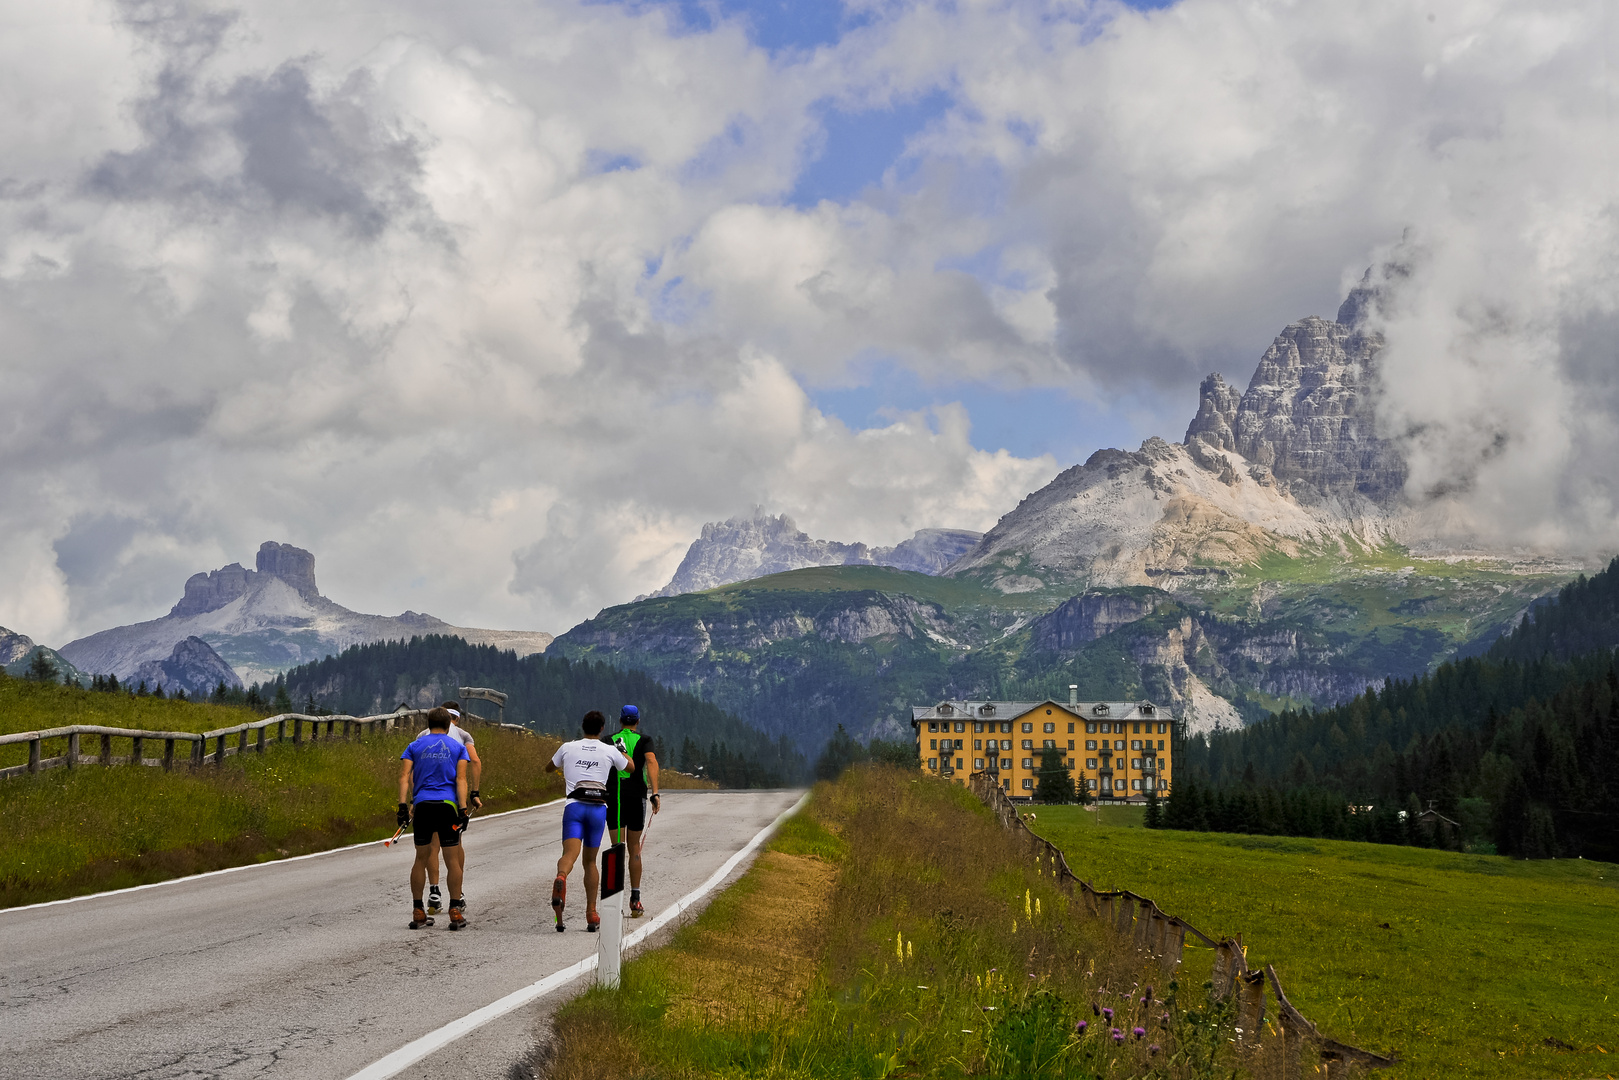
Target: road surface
x: 305, y: 969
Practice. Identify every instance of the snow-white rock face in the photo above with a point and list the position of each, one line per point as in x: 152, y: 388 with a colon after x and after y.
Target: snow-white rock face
x: 14, y: 646
x: 262, y: 622
x: 745, y: 548
x: 193, y: 666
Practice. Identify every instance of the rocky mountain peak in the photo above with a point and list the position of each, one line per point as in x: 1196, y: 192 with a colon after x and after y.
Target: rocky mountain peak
x: 213, y: 590
x: 1308, y: 416
x: 291, y: 564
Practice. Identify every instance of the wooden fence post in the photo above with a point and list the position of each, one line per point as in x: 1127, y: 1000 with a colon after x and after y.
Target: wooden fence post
x: 297, y: 731
x: 33, y: 755
x: 168, y: 755
x: 1250, y: 1007
x: 219, y: 751
x: 199, y: 750
x: 137, y: 750
x: 281, y: 731
x: 106, y: 749
x: 260, y: 746
x: 331, y: 728
x: 73, y: 750
x: 241, y: 743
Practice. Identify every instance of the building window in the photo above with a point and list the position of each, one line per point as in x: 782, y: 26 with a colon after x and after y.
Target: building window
x: 961, y: 726
x: 1163, y: 785
x: 1027, y: 728
x: 1160, y: 764
x: 1028, y: 744
x: 1090, y: 744
x: 977, y: 728
x: 1090, y: 728
x: 1008, y: 784
x: 1106, y: 728
x: 1160, y: 744
x: 1070, y: 764
x: 987, y: 710
x: 1146, y: 710
x: 933, y: 763
x: 1048, y: 712
x: 958, y: 763
x: 1090, y: 763
x: 1006, y: 727
x: 978, y: 744
x: 1048, y: 744
x: 1138, y: 729
x: 1118, y: 744
x: 1070, y: 729
x: 1006, y: 744
x: 1070, y: 744
x: 1161, y: 729
x: 1028, y: 785
x: 1100, y: 708
x: 933, y: 744
x: 1118, y: 785
x: 1006, y: 763
x: 1135, y: 744
x: 1092, y: 784
x: 978, y: 763
x: 933, y: 725
x: 1028, y: 763
x: 1050, y: 728
x: 1135, y: 785
x: 945, y: 710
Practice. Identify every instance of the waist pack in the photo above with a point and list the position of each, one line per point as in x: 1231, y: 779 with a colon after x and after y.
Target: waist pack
x: 588, y: 791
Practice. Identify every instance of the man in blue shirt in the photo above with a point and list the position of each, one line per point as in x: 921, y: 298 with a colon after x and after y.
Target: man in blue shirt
x: 433, y: 795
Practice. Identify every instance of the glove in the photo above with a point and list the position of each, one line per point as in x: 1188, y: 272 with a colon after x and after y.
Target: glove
x: 463, y: 819
x: 477, y: 803
x: 403, y: 817
x: 655, y: 801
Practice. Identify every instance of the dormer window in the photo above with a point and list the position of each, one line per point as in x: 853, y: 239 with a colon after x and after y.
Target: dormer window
x: 986, y: 710
x: 1100, y: 708
x: 946, y: 710
x: 1146, y: 710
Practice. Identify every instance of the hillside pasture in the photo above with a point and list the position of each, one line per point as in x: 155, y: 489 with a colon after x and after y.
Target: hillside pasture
x: 1467, y: 965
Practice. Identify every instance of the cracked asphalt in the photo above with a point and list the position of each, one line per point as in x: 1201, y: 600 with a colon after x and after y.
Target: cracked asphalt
x: 306, y: 969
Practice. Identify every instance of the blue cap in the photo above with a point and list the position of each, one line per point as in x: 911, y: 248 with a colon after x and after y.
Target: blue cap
x: 630, y: 712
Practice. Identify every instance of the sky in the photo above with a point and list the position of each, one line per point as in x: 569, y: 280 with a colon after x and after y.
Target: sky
x: 492, y: 306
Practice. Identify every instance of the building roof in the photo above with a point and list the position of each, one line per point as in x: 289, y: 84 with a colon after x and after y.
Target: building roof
x: 962, y: 709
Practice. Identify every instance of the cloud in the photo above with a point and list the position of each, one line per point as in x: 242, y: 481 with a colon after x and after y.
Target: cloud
x: 492, y: 308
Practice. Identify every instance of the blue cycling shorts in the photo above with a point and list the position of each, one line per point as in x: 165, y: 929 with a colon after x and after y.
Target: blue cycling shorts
x: 584, y: 821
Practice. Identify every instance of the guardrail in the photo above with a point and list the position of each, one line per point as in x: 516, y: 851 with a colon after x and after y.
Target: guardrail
x: 1160, y: 936
x: 226, y: 741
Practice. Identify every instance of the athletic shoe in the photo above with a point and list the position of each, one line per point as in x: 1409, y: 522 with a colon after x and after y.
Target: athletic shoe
x: 419, y: 919
x: 559, y: 899
x: 458, y: 914
x: 434, y: 903
x: 593, y: 922
x: 636, y: 910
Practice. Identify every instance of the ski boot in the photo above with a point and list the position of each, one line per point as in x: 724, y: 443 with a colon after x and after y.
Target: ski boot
x: 593, y: 922
x: 458, y: 913
x: 559, y: 898
x: 636, y: 910
x: 419, y: 918
x: 434, y: 903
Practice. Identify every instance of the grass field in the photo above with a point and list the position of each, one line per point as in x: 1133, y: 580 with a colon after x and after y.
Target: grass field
x: 1464, y: 964
x: 891, y: 931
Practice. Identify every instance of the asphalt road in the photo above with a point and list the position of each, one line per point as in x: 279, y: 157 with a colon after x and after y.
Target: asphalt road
x: 306, y: 969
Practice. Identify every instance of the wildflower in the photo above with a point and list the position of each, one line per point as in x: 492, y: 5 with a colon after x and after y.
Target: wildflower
x: 908, y: 953
x: 1027, y: 913
x: 1107, y: 1014
x: 1014, y: 926
x: 1138, y: 1032
x: 1118, y: 1036
x: 1146, y: 997
x: 899, y: 946
x: 1037, y: 905
x: 1079, y: 1028
x: 1153, y: 1049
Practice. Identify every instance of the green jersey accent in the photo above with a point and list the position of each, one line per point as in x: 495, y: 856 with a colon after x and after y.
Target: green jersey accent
x: 625, y: 741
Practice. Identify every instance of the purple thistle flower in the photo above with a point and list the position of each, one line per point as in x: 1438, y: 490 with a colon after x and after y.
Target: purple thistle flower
x: 1153, y: 1049
x: 1138, y: 1032
x: 1118, y: 1036
x: 1107, y: 1014
x: 1080, y: 1027
x: 1146, y: 998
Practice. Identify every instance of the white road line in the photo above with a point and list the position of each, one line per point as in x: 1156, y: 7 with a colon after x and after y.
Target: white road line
x: 250, y: 866
x: 412, y: 1052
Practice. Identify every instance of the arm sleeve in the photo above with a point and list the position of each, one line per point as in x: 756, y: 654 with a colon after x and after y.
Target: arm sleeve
x: 556, y: 759
x: 464, y: 755
x: 617, y: 757
x: 407, y: 756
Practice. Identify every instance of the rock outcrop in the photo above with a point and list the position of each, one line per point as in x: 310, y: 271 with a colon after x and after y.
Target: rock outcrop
x: 1308, y: 418
x: 193, y: 666
x: 745, y: 548
x: 1087, y: 617
x: 262, y: 622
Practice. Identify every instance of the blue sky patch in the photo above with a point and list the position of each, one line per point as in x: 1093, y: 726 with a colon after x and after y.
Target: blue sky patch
x: 859, y: 147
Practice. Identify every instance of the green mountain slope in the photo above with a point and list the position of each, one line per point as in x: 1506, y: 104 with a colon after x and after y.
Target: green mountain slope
x: 799, y: 653
x: 547, y: 694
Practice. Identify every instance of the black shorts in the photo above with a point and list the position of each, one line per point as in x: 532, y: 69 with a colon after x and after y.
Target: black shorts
x: 634, y: 814
x: 436, y: 818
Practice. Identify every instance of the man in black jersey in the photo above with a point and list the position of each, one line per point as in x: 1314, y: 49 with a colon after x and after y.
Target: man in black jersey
x: 627, y: 795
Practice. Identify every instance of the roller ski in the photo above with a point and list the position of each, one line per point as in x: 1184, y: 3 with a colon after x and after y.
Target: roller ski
x: 593, y: 922
x: 419, y: 918
x: 435, y: 903
x: 636, y: 908
x: 458, y: 914
x: 559, y: 899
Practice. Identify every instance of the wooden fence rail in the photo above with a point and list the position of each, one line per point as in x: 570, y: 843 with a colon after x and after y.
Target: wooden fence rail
x: 197, y: 752
x: 1157, y: 935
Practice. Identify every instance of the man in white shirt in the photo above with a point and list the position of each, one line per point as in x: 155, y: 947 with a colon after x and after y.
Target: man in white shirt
x: 586, y: 766
x: 475, y: 772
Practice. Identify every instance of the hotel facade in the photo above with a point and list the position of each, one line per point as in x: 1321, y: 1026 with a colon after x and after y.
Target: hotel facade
x: 1115, y: 750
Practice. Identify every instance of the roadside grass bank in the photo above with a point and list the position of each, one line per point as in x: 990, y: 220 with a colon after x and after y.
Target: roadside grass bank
x: 93, y: 828
x: 890, y: 930
x: 1468, y: 965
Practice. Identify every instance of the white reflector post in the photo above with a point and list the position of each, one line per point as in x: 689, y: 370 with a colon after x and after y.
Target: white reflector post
x: 610, y: 950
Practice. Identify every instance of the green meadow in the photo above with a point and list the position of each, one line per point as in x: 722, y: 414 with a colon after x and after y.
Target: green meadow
x: 1466, y: 965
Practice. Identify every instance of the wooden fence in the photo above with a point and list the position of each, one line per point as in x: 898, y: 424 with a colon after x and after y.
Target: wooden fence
x: 224, y: 742
x: 1157, y: 935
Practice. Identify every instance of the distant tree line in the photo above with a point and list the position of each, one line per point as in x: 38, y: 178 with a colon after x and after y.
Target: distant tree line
x: 1516, y: 751
x: 843, y: 750
x: 544, y: 693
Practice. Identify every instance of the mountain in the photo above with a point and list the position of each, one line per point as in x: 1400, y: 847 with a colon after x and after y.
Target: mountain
x: 1265, y: 563
x: 193, y: 666
x: 547, y: 694
x: 744, y: 548
x: 263, y: 621
x: 17, y: 657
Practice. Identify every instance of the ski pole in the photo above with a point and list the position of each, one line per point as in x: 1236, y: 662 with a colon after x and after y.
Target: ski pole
x: 394, y: 839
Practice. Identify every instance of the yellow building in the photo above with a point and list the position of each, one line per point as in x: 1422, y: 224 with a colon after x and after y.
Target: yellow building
x: 1117, y: 750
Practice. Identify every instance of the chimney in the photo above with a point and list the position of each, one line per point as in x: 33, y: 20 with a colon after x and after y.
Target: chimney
x: 1073, y: 693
